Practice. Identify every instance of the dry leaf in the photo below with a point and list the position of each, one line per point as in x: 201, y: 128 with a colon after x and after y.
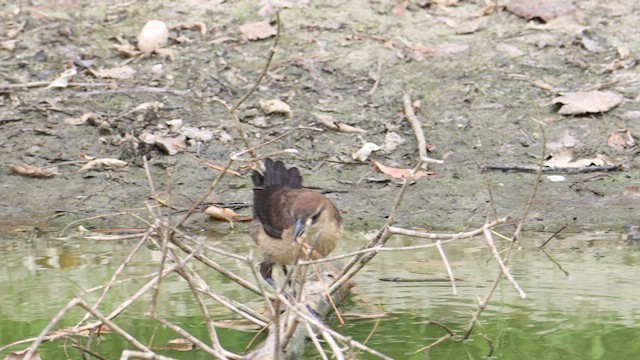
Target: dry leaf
x: 166, y: 53
x: 120, y: 72
x: 363, y: 153
x: 592, y: 45
x: 85, y: 157
x: 391, y: 142
x: 541, y: 9
x: 556, y: 178
x: 588, y: 102
x: 399, y: 173
x: 169, y: 145
x: 126, y: 49
x: 631, y: 192
x: 509, y: 50
x: 439, y: 50
x: 192, y: 26
x: 275, y: 106
x: 154, y: 106
x: 8, y: 44
x: 19, y: 355
x: 489, y: 9
x: 33, y: 171
x: 104, y: 164
x: 180, y: 345
x: 470, y: 27
x: 621, y: 140
x: 174, y: 124
x: 93, y: 119
x: 103, y: 329
x: 225, y: 214
x: 566, y: 158
x: 153, y: 36
x: 257, y: 30
x: 330, y: 122
x: 197, y: 133
x: 63, y: 79
x: 623, y: 52
x: 540, y: 84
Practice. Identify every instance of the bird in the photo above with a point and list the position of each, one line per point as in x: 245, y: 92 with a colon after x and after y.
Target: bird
x: 289, y: 221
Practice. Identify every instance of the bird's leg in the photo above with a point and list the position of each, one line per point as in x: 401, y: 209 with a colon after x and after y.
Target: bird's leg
x: 289, y: 282
x: 266, y: 270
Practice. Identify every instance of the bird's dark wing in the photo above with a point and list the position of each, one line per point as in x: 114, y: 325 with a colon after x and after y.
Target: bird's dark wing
x: 270, y: 204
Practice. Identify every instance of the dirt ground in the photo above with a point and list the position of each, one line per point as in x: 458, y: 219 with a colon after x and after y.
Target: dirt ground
x: 485, y: 81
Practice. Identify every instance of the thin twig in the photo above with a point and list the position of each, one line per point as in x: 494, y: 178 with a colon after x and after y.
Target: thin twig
x: 552, y: 236
x: 314, y: 340
x: 204, y: 196
x: 118, y: 271
x: 178, y: 330
x: 264, y: 70
x: 378, y: 76
x: 436, y: 236
x: 337, y: 352
x: 32, y: 349
x: 489, y: 237
x: 448, y: 266
x: 415, y: 125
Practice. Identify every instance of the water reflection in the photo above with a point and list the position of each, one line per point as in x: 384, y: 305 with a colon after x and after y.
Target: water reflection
x: 582, y: 296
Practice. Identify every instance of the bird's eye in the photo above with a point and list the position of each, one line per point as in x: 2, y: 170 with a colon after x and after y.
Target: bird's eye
x: 316, y: 216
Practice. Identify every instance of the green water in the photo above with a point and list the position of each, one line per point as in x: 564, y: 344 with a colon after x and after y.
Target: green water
x: 583, y: 300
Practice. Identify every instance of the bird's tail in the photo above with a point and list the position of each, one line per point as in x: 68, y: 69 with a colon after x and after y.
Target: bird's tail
x: 276, y: 174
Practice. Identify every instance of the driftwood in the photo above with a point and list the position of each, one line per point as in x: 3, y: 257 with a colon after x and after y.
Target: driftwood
x: 291, y: 328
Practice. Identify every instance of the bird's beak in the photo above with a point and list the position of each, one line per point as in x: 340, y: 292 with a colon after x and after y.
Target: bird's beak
x: 298, y: 230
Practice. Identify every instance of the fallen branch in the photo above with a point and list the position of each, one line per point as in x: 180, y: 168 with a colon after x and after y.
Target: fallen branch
x: 552, y: 169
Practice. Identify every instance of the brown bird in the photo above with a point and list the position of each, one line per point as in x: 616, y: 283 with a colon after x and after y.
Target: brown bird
x: 290, y: 222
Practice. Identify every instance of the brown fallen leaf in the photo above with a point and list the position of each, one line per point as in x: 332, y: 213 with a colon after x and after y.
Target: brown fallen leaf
x: 631, y: 192
x: 180, y: 345
x: 470, y: 27
x: 542, y: 9
x: 363, y: 153
x: 621, y: 140
x: 583, y: 102
x: 103, y: 329
x: 120, y: 72
x: 148, y: 106
x: 170, y: 145
x: 439, y: 50
x: 275, y: 106
x: 166, y: 53
x: 62, y: 81
x: 257, y: 30
x: 32, y: 171
x: 127, y: 49
x: 8, y: 44
x: 330, y: 122
x: 566, y: 158
x: 19, y: 355
x: 85, y: 157
x: 92, y: 118
x: 226, y: 214
x: 192, y: 26
x: 540, y: 84
x: 399, y: 173
x: 104, y: 164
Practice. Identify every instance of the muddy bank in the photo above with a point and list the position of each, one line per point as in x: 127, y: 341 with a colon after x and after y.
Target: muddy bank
x: 478, y: 102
